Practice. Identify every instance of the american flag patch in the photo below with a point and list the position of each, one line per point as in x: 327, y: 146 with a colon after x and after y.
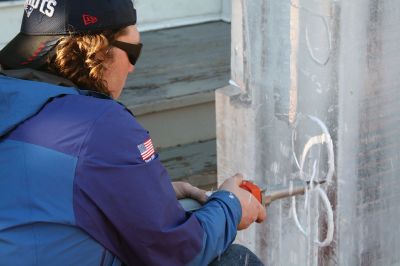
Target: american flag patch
x: 146, y: 150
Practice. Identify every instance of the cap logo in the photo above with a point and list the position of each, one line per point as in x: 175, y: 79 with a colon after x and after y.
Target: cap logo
x: 28, y: 10
x: 87, y: 19
x: 46, y: 7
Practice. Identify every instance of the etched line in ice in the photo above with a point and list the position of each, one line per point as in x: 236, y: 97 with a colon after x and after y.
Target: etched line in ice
x: 296, y: 219
x: 326, y: 139
x: 329, y: 143
x: 321, y: 59
x: 329, y: 234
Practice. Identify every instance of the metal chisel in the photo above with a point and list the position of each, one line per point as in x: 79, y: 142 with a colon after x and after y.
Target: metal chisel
x: 263, y: 195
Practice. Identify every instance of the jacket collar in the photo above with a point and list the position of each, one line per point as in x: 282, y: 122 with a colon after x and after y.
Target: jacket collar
x: 36, y: 75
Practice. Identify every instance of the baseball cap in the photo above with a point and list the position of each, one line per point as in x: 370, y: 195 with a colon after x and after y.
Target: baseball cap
x: 45, y: 21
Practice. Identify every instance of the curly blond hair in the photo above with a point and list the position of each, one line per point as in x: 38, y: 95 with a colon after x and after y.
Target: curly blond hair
x: 79, y: 58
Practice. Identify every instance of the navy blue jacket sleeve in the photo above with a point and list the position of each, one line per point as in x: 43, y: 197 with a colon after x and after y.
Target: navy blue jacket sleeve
x: 219, y: 218
x: 126, y: 201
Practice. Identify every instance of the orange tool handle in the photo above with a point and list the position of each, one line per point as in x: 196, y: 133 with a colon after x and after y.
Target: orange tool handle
x: 253, y: 189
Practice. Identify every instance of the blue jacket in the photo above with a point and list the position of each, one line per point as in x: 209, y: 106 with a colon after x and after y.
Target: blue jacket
x: 79, y: 187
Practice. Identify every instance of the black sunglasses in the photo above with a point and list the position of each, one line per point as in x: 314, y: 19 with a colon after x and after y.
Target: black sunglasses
x: 133, y: 50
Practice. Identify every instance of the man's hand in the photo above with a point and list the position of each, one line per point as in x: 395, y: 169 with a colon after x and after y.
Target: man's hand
x: 185, y: 190
x: 252, y: 210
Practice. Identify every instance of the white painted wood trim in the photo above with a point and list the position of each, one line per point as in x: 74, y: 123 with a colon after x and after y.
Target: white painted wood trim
x: 11, y: 4
x: 226, y: 10
x: 10, y: 19
x: 161, y: 14
x: 177, y: 22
